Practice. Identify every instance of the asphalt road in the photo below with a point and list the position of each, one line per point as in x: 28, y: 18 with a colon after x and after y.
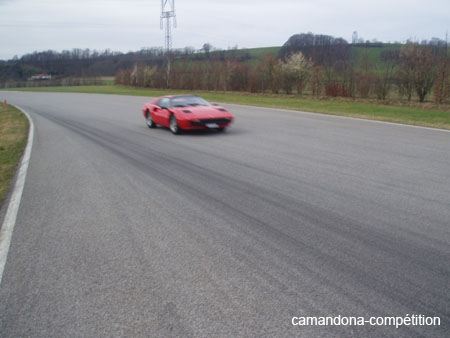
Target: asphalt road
x: 127, y: 231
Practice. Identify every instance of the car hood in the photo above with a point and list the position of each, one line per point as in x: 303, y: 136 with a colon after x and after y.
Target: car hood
x: 207, y: 111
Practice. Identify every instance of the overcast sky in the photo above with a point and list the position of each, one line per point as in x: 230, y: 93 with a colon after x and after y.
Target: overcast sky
x: 129, y: 25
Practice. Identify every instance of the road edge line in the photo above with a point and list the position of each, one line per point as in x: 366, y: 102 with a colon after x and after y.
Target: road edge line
x: 341, y: 117
x: 9, y: 222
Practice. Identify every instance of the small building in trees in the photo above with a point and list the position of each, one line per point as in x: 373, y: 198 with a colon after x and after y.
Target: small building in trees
x: 37, y: 77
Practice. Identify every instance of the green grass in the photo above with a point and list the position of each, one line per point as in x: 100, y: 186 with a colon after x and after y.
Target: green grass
x: 373, y: 55
x: 420, y: 115
x: 259, y: 53
x: 14, y: 132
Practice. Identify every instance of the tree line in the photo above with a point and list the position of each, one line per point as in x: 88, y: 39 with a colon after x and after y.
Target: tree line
x: 318, y: 65
x: 77, y: 63
x: 80, y: 66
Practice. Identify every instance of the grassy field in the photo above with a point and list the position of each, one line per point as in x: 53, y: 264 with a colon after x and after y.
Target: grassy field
x: 420, y: 115
x: 258, y: 54
x: 14, y: 132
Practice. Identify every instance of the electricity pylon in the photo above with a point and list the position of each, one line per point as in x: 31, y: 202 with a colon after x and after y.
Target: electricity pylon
x: 168, y: 12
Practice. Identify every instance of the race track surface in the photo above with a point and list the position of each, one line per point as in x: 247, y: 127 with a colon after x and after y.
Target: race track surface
x: 124, y: 231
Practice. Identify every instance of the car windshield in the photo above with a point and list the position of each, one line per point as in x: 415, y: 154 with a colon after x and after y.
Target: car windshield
x: 189, y: 101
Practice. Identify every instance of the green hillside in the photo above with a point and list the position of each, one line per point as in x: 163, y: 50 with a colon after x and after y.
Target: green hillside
x: 259, y: 53
x: 371, y: 52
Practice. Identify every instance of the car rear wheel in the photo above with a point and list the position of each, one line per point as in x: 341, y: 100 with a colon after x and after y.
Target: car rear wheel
x: 174, y: 127
x: 149, y: 120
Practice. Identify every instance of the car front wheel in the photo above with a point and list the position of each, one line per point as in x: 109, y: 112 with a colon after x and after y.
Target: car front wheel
x: 174, y: 127
x: 149, y: 120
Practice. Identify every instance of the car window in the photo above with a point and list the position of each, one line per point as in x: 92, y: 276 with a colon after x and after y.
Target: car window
x: 164, y: 102
x: 186, y: 101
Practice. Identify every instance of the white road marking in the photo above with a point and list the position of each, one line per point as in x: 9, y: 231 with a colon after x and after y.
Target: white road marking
x: 9, y: 222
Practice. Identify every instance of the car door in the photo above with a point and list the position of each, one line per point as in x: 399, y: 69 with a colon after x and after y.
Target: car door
x: 161, y: 112
x: 156, y: 112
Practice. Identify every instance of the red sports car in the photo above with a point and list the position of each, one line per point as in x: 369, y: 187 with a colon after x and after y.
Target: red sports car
x: 185, y: 112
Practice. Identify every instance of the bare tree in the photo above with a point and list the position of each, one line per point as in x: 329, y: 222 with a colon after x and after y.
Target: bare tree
x: 315, y: 81
x: 149, y: 73
x: 405, y: 74
x: 207, y: 48
x: 425, y: 73
x: 417, y: 71
x: 365, y: 77
x: 442, y: 85
x: 273, y: 69
x: 383, y: 80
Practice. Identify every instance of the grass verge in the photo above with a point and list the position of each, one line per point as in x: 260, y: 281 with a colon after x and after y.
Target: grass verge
x: 419, y: 115
x: 13, y: 138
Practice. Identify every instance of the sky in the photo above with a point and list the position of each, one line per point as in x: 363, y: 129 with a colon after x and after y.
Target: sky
x: 129, y: 25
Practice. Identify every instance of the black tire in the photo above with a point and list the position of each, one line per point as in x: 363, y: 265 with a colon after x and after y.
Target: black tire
x: 173, y: 125
x: 149, y: 120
